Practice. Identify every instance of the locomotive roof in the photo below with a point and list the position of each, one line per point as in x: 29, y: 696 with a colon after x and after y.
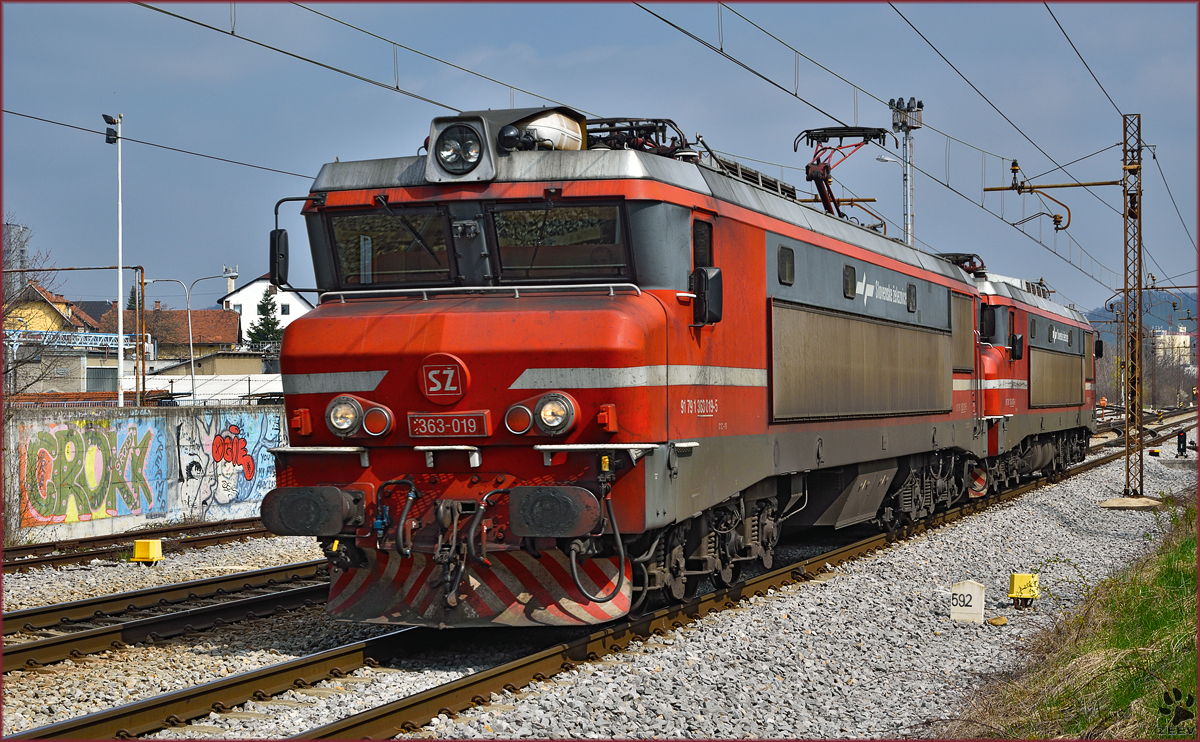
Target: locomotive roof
x: 605, y: 164
x: 1001, y: 286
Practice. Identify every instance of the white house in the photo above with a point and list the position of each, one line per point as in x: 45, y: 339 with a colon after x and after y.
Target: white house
x: 244, y: 300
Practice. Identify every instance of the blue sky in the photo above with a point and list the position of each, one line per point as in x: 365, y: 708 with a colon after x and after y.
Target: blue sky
x: 184, y: 86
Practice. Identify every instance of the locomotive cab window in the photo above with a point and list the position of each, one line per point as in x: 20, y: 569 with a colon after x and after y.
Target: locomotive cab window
x: 406, y: 246
x: 787, y: 265
x: 912, y: 297
x: 1032, y: 328
x: 849, y: 282
x: 556, y: 241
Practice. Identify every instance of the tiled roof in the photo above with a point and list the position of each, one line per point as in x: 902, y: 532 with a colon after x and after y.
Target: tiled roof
x: 151, y: 395
x: 170, y: 326
x: 72, y: 315
x: 94, y: 309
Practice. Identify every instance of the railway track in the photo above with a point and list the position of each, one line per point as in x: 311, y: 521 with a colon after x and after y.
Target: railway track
x: 1118, y: 423
x: 78, y: 551
x: 80, y: 628
x: 412, y: 712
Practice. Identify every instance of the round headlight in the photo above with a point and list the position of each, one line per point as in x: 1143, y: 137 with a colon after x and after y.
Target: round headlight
x: 554, y: 414
x: 343, y: 415
x: 459, y: 149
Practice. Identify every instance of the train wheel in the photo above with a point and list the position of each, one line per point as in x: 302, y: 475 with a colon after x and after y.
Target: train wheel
x: 728, y: 574
x: 676, y: 586
x: 768, y: 535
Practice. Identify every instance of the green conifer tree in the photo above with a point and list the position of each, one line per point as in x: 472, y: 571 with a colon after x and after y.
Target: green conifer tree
x: 267, y: 329
x: 132, y: 302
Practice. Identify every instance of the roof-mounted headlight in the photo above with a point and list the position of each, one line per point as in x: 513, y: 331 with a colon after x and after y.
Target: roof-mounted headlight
x: 554, y: 413
x: 459, y: 149
x: 344, y: 416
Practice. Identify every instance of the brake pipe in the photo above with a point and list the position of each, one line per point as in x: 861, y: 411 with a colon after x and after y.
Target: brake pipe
x: 402, y: 525
x: 620, y: 553
x: 480, y: 558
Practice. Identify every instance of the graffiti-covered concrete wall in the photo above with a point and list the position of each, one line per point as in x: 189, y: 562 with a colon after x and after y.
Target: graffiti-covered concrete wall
x: 88, y: 471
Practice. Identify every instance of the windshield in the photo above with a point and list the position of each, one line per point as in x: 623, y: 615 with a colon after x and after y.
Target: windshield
x: 557, y: 242
x: 401, y: 247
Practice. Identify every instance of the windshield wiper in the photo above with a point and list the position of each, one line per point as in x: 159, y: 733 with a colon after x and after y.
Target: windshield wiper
x: 404, y: 223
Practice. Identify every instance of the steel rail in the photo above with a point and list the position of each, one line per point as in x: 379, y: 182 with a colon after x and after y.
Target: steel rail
x: 49, y: 547
x: 91, y: 641
x: 57, y: 614
x: 177, y: 708
x: 408, y: 714
x: 81, y: 557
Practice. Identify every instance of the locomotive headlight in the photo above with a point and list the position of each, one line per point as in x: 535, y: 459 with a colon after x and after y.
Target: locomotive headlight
x: 554, y: 414
x: 344, y: 416
x: 459, y: 149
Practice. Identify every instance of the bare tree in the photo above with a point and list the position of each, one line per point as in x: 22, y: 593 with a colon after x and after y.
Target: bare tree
x: 25, y: 365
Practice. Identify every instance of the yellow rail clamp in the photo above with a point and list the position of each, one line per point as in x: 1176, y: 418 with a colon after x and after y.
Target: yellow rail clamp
x: 147, y: 550
x: 1023, y: 589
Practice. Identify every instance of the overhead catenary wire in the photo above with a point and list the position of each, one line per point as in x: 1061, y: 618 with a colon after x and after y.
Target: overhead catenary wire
x: 1177, y: 212
x: 397, y: 44
x: 362, y: 78
x: 160, y: 146
x: 1072, y: 162
x: 1017, y: 128
x: 823, y: 112
x: 1118, y: 110
x: 1003, y: 115
x: 1081, y: 59
x: 856, y: 87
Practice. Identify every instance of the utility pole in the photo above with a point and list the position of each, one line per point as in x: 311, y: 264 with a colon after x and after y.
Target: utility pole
x: 906, y: 118
x: 1131, y: 185
x: 1131, y: 292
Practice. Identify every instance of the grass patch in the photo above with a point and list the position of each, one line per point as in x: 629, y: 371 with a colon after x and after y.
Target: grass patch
x: 1123, y: 665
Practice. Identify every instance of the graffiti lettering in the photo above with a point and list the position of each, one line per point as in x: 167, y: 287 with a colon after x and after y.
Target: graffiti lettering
x: 72, y: 469
x: 73, y: 472
x: 232, y: 448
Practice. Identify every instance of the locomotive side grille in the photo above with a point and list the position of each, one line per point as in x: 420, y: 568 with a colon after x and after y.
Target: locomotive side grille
x: 834, y: 365
x: 1055, y: 379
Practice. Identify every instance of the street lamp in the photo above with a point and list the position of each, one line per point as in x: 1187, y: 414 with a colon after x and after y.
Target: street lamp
x: 113, y: 136
x: 187, y: 295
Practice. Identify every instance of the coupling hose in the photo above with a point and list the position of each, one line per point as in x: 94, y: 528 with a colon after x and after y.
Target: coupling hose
x: 621, y: 565
x: 405, y: 548
x: 475, y: 521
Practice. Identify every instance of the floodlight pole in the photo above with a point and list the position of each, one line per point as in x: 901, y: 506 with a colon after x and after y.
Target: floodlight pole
x: 906, y: 118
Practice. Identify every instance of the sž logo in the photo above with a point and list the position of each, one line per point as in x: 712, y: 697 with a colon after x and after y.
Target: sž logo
x: 443, y: 378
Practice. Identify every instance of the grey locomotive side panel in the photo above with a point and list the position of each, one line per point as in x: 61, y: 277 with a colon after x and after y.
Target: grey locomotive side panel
x: 1056, y: 336
x: 1055, y: 379
x: 827, y: 365
x: 877, y: 292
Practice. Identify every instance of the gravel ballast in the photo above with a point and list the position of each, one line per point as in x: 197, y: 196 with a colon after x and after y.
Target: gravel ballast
x: 47, y: 585
x: 870, y: 653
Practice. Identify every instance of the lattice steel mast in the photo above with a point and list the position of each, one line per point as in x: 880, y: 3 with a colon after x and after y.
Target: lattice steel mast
x: 1131, y: 184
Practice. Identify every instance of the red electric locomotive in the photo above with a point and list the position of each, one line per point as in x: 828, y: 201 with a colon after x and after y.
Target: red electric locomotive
x: 560, y: 365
